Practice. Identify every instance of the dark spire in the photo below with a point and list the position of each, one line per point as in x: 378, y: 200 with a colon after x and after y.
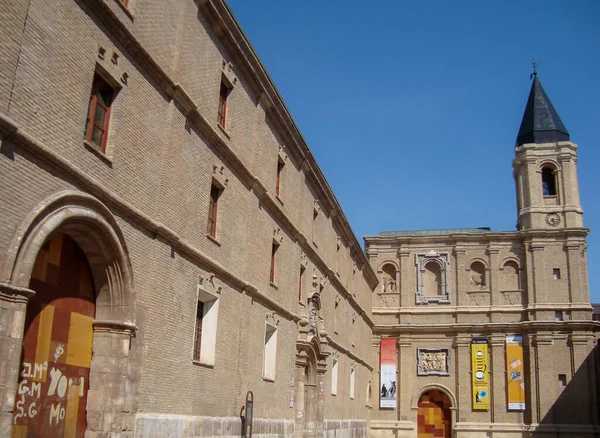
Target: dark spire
x: 541, y: 123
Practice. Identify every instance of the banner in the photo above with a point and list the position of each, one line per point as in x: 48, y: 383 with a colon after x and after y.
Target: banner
x: 515, y: 371
x: 480, y: 375
x: 387, y: 390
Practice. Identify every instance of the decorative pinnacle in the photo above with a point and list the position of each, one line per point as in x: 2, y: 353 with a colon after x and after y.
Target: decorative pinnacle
x: 535, y: 65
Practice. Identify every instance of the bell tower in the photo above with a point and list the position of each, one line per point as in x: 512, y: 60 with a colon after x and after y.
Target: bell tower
x: 545, y: 168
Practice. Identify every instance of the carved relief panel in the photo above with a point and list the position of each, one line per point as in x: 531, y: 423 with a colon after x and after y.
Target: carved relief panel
x: 433, y: 361
x: 433, y: 277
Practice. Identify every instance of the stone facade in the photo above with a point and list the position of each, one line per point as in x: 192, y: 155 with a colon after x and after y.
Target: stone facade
x: 138, y: 205
x: 443, y: 293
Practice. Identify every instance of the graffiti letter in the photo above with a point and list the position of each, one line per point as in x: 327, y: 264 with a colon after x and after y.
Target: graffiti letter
x: 36, y: 389
x: 62, y: 386
x: 32, y: 411
x: 26, y: 370
x: 20, y: 409
x: 58, y: 412
x: 55, y: 375
x: 38, y: 370
x: 22, y: 388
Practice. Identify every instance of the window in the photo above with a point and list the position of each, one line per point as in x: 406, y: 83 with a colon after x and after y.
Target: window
x: 223, y: 96
x: 270, y: 352
x: 558, y: 315
x: 334, y: 377
x: 314, y: 225
x: 280, y: 165
x: 352, y: 375
x: 562, y: 380
x: 335, y: 314
x: 556, y: 274
x: 96, y: 127
x: 302, y: 269
x: 548, y: 181
x: 274, y: 249
x: 213, y: 207
x: 205, y: 330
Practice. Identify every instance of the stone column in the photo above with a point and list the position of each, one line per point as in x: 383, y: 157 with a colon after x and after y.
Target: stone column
x: 403, y: 398
x: 114, y: 375
x: 459, y: 272
x: 541, y: 403
x: 537, y: 272
x: 577, y: 294
x: 407, y: 297
x: 462, y: 365
x: 494, y: 275
x: 299, y: 399
x: 320, y: 397
x: 13, y: 308
x: 498, y: 377
x: 580, y: 384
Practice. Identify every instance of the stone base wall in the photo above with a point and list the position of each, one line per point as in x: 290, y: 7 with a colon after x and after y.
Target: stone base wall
x: 344, y: 428
x: 182, y: 426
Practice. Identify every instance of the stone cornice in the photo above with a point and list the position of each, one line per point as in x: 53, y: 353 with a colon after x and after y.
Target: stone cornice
x: 531, y: 327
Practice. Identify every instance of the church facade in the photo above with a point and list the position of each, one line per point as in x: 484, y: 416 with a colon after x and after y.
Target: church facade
x: 173, y: 262
x: 491, y: 333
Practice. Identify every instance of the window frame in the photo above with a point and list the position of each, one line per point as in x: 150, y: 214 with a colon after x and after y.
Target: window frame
x: 90, y: 123
x: 280, y: 166
x: 270, y: 353
x: 274, y: 249
x: 224, y: 93
x: 206, y: 353
x: 213, y: 210
x: 334, y: 376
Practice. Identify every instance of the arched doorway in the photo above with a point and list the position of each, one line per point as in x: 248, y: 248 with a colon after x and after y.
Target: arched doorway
x: 57, y: 344
x: 434, y: 418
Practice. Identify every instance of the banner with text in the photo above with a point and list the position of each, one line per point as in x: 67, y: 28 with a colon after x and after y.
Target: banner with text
x: 387, y: 390
x: 480, y: 375
x: 515, y: 371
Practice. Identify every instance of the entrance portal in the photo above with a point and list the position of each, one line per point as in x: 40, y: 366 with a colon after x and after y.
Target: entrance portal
x: 57, y: 345
x: 434, y: 416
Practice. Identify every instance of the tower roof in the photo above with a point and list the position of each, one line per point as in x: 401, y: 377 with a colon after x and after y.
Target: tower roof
x: 541, y: 123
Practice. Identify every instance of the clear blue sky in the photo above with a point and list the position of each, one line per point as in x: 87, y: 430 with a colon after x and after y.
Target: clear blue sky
x: 412, y: 107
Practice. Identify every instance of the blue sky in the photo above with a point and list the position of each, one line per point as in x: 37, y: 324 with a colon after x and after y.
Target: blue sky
x: 412, y: 107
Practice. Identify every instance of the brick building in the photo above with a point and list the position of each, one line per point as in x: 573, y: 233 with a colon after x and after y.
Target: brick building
x: 169, y: 244
x: 167, y: 241
x: 491, y: 333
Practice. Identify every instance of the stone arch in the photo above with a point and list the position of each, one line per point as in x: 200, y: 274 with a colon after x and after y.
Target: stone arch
x: 432, y: 280
x: 93, y: 227
x: 388, y: 277
x: 511, y: 272
x: 95, y: 230
x: 549, y: 172
x: 417, y: 395
x: 388, y: 262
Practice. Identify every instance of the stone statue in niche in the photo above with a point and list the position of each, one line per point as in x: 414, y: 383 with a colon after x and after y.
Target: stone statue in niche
x: 476, y: 280
x: 389, y: 285
x: 433, y: 362
x: 312, y: 317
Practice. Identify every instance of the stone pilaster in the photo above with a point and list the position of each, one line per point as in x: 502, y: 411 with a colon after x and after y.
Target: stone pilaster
x: 537, y: 271
x: 577, y: 287
x: 462, y: 372
x: 498, y: 378
x: 13, y: 308
x: 459, y: 273
x: 494, y: 274
x: 406, y: 298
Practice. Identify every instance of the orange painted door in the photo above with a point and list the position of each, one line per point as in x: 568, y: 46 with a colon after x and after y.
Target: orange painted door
x: 57, y: 346
x: 434, y: 417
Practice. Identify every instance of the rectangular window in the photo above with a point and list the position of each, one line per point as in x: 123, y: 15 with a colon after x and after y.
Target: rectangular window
x: 352, y: 375
x: 335, y: 316
x: 558, y: 315
x: 198, y: 333
x: 334, y: 377
x: 274, y: 249
x: 302, y: 269
x: 280, y: 165
x: 96, y: 127
x: 270, y: 353
x: 213, y: 207
x: 205, y: 330
x: 556, y: 274
x: 314, y: 225
x: 562, y: 380
x: 223, y: 96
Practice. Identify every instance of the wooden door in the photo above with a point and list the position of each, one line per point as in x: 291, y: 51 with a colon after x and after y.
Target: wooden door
x: 57, y: 346
x: 434, y: 416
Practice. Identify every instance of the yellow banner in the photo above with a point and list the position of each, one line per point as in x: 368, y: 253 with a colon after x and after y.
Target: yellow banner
x: 480, y: 374
x: 515, y: 371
